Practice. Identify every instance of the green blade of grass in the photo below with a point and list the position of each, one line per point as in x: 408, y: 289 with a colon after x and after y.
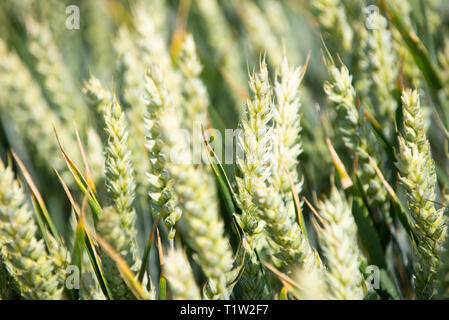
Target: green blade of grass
x: 373, y: 246
x: 77, y: 254
x: 220, y: 174
x: 420, y: 55
x: 387, y: 284
x: 262, y: 269
x: 87, y: 240
x: 83, y: 184
x: 162, y: 288
x: 399, y: 209
x: 96, y: 263
x: 283, y: 295
x: 368, y: 234
x: 298, y: 211
x: 146, y: 254
x: 127, y: 275
x: 87, y: 172
x: 38, y: 201
x: 415, y: 46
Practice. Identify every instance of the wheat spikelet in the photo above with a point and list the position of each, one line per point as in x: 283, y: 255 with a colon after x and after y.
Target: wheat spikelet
x: 194, y: 92
x: 286, y: 139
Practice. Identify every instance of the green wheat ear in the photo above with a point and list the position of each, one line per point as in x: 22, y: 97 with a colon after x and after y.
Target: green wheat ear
x: 263, y: 206
x: 338, y: 240
x: 56, y: 78
x: 379, y: 63
x: 117, y: 225
x: 417, y: 174
x: 357, y: 136
x: 120, y: 175
x: 332, y: 19
x: 179, y: 275
x: 162, y: 196
x: 194, y: 193
x: 31, y: 269
x: 27, y: 109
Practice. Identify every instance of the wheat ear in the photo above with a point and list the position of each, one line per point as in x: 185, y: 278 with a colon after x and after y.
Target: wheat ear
x: 25, y: 256
x: 179, y: 275
x: 338, y: 240
x: 417, y: 174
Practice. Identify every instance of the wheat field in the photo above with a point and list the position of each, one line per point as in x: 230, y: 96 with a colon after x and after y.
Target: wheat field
x: 224, y: 149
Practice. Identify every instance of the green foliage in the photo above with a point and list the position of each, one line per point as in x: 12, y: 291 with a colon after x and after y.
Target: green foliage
x: 154, y: 205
